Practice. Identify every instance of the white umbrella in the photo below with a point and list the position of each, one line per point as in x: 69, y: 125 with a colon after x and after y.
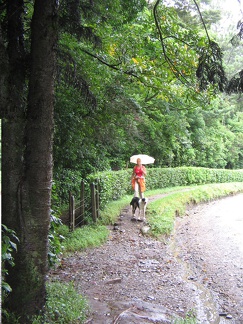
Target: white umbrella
x: 145, y: 159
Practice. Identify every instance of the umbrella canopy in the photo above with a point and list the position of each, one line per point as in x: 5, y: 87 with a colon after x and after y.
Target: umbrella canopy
x: 145, y: 159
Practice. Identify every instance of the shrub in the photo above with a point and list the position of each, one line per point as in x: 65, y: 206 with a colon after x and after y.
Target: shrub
x: 66, y: 180
x: 112, y: 185
x: 115, y: 184
x: 55, y: 241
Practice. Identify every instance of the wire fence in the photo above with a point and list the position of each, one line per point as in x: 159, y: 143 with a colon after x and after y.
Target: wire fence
x: 87, y: 206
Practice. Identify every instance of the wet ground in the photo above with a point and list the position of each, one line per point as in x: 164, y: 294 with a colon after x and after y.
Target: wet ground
x: 197, y: 271
x: 209, y: 242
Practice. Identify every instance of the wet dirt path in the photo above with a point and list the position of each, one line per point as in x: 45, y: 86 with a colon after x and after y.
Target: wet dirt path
x: 135, y: 279
x: 209, y: 242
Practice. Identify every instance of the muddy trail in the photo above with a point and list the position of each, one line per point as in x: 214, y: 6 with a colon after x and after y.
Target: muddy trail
x: 134, y: 278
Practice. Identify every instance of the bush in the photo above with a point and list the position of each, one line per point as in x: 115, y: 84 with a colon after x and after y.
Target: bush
x: 115, y: 184
x: 182, y: 176
x: 66, y: 180
x: 55, y: 241
x: 112, y: 185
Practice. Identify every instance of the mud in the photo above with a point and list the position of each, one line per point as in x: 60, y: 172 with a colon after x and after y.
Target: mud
x: 197, y: 271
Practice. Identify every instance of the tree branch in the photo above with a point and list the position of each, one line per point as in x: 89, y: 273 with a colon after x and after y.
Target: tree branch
x: 174, y: 69
x: 114, y: 67
x: 201, y: 17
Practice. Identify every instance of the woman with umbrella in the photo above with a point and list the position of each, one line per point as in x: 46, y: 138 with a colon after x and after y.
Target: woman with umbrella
x: 138, y: 179
x: 139, y: 173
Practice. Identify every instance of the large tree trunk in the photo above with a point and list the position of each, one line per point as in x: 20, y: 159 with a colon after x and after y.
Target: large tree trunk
x: 12, y: 82
x: 27, y: 187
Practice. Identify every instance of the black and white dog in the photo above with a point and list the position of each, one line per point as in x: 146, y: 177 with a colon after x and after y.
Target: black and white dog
x: 140, y: 204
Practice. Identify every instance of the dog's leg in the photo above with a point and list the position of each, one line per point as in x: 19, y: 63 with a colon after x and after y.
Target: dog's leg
x: 133, y: 210
x: 144, y: 206
x: 142, y: 212
x: 144, y: 218
x: 139, y: 210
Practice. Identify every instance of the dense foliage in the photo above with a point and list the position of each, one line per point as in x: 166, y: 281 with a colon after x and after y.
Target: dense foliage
x: 144, y: 82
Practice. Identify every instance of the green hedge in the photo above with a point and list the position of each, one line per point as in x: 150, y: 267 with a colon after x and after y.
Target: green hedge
x: 182, y: 176
x: 65, y: 180
x: 112, y: 185
x: 115, y: 184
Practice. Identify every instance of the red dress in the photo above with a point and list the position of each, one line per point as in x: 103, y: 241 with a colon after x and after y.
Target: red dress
x: 138, y: 171
x: 141, y: 180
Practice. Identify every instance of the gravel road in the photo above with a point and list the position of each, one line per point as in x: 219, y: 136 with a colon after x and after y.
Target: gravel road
x: 209, y: 241
x: 197, y: 271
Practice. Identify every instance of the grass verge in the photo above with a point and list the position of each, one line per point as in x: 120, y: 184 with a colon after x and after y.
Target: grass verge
x: 83, y: 237
x: 64, y: 305
x: 113, y: 209
x: 161, y: 213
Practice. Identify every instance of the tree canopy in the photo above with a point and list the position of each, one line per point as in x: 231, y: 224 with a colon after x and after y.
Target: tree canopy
x: 140, y: 83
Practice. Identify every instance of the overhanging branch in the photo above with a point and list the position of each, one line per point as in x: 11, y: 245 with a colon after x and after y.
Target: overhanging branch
x: 172, y: 66
x: 115, y: 67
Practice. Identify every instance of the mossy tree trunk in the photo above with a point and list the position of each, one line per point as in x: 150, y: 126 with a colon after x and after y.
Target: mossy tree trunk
x: 27, y: 154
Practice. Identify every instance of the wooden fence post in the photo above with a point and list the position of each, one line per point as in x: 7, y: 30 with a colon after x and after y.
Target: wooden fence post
x: 93, y: 202
x: 71, y: 212
x: 82, y: 202
x: 97, y: 199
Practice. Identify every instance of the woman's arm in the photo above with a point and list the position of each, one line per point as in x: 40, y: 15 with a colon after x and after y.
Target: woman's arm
x: 133, y: 173
x: 144, y: 171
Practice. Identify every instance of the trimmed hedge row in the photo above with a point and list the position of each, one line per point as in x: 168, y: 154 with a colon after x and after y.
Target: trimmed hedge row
x: 115, y: 184
x: 112, y: 185
x: 182, y: 176
x: 65, y: 180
